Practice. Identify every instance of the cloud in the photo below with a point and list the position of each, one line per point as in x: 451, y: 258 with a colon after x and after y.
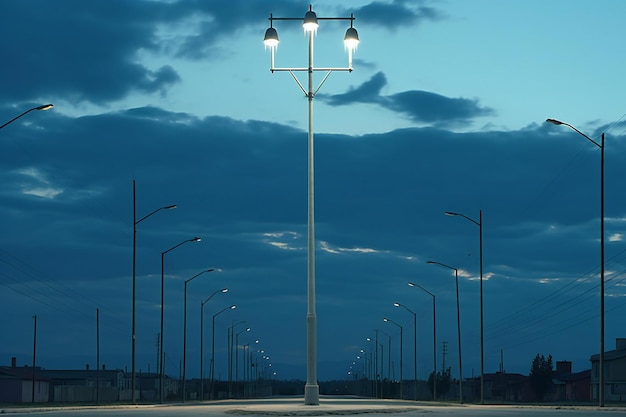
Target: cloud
x: 419, y: 106
x: 395, y: 14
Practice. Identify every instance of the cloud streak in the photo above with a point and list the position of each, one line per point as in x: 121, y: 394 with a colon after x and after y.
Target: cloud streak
x: 421, y: 107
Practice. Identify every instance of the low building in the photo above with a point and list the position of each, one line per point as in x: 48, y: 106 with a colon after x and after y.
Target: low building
x: 22, y: 384
x: 614, y: 373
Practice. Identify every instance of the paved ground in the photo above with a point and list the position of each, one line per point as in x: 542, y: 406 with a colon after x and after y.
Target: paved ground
x: 329, y: 406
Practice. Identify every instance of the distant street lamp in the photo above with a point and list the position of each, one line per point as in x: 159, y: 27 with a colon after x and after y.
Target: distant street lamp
x: 231, y: 342
x: 213, y: 347
x: 247, y: 329
x: 458, y: 325
x: 223, y: 290
x: 478, y: 223
x: 391, y: 321
x: 351, y: 39
x: 134, y: 339
x: 414, y: 343
x: 185, y: 329
x: 434, y: 338
x: 601, y: 360
x: 388, y: 354
x: 42, y: 107
x: 195, y: 239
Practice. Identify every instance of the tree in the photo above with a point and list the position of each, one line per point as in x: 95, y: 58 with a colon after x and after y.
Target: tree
x: 540, y: 377
x: 443, y: 382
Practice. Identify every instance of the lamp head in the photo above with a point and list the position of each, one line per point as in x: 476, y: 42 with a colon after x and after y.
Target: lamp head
x: 196, y: 239
x: 450, y: 213
x: 351, y: 40
x: 44, y: 107
x: 310, y: 21
x: 233, y: 307
x: 271, y: 38
x: 554, y: 121
x: 224, y: 290
x: 173, y: 206
x: 396, y: 304
x: 430, y: 262
x: 411, y: 284
x: 385, y: 319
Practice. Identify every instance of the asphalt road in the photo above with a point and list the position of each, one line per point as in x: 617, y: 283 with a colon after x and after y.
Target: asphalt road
x: 329, y: 406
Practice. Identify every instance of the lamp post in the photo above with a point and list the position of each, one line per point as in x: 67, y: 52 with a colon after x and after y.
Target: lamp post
x: 351, y: 39
x: 391, y: 321
x: 231, y: 340
x: 601, y: 359
x: 223, y: 290
x: 414, y: 343
x: 34, y: 355
x: 162, y: 373
x: 388, y: 355
x: 478, y: 223
x: 434, y: 338
x: 382, y: 355
x: 185, y: 329
x: 213, y: 346
x: 135, y: 223
x: 458, y: 326
x: 247, y: 329
x: 42, y: 107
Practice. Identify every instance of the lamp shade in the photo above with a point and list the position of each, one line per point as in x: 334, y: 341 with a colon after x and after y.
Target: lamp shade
x: 271, y: 37
x: 310, y: 21
x: 351, y: 40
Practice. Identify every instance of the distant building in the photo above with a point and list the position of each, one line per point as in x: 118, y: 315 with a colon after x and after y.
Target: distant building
x: 16, y: 384
x: 614, y: 373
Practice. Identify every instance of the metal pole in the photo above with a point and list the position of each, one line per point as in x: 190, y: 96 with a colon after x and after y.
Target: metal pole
x: 201, y: 351
x: 434, y: 348
x: 458, y: 320
x: 601, y: 362
x: 415, y: 352
x: 184, y: 342
x: 482, y: 334
x: 311, y: 389
x: 133, y: 353
x: 161, y: 341
x: 212, y: 357
x: 34, y: 354
x: 97, y: 355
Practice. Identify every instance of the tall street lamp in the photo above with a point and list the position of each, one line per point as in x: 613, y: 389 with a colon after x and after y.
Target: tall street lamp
x: 185, y: 328
x: 434, y: 337
x: 391, y: 321
x: 195, y: 239
x: 351, y: 39
x: 458, y: 325
x: 601, y: 361
x: 42, y: 107
x: 414, y: 343
x: 478, y: 223
x: 213, y: 346
x: 223, y: 290
x: 135, y: 223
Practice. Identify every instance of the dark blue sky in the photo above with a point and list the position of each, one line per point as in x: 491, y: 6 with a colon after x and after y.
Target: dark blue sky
x: 178, y: 97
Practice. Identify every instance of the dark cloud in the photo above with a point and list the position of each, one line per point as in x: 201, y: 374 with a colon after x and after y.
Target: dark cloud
x: 396, y: 13
x: 419, y: 106
x: 89, y: 52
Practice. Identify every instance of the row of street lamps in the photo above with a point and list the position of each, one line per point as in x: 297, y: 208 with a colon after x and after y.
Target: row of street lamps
x: 310, y: 23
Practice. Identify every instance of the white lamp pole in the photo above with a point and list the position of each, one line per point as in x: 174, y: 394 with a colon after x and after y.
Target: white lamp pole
x: 351, y: 39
